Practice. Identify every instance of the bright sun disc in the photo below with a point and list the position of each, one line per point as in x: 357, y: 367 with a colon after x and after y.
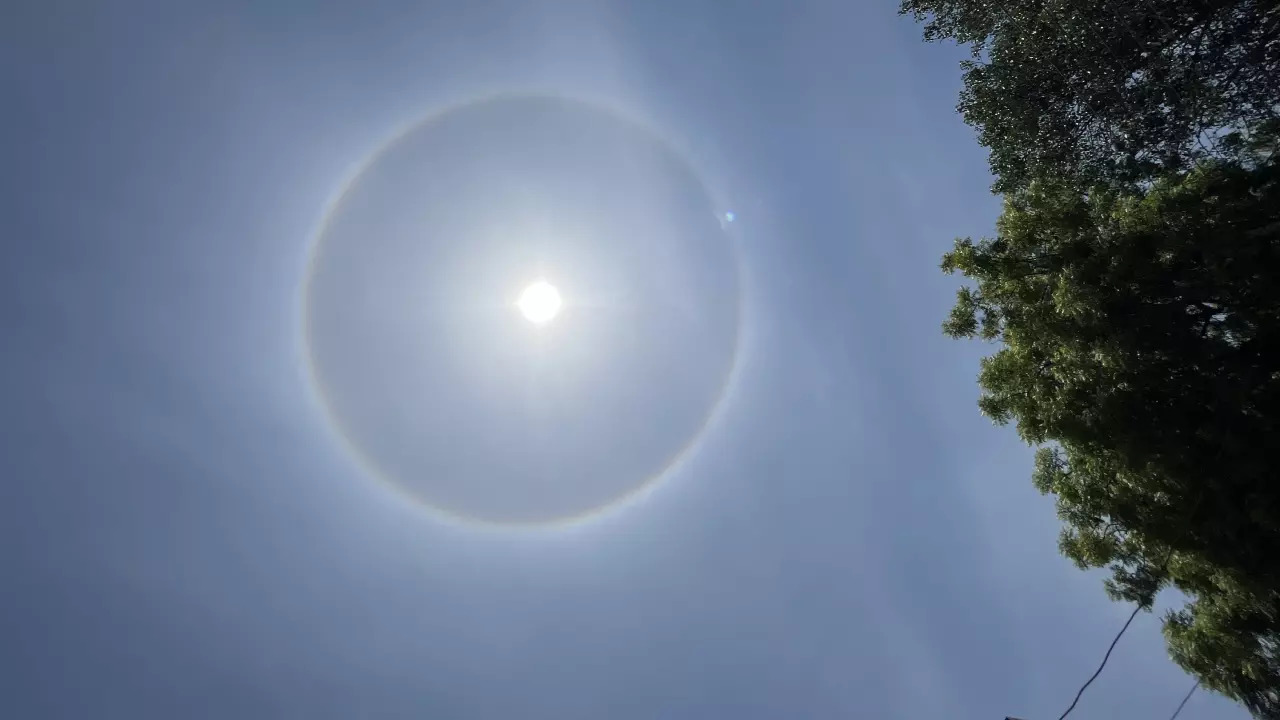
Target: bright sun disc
x: 539, y: 302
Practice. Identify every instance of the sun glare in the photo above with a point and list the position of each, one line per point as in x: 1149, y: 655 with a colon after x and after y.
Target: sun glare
x: 539, y: 302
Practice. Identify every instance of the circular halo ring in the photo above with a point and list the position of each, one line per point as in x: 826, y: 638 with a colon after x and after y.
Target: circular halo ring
x: 371, y: 467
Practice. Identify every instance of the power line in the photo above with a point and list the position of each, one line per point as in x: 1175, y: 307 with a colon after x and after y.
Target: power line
x: 1184, y: 700
x: 1163, y: 574
x: 1106, y: 657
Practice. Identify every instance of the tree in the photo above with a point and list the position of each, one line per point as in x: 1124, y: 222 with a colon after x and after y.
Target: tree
x: 1134, y: 286
x: 1140, y: 347
x: 1110, y: 91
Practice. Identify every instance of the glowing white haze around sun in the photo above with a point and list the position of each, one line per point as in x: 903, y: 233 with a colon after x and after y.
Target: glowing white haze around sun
x: 540, y: 302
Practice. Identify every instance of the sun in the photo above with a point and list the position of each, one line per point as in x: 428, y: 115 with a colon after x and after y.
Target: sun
x: 540, y: 302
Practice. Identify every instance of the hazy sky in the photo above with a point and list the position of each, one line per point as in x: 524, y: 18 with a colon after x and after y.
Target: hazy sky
x: 185, y: 532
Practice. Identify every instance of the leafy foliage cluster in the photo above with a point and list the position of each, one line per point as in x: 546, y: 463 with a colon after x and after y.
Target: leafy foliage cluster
x: 1110, y: 89
x: 1133, y: 286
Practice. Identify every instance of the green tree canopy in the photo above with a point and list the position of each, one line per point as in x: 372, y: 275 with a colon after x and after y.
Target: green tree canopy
x: 1110, y: 90
x: 1133, y: 284
x: 1140, y: 347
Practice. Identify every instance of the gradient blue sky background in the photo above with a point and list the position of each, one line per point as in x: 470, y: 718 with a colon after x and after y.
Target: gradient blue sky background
x: 180, y: 536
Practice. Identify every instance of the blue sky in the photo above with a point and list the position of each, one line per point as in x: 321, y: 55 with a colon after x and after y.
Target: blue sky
x: 183, y: 535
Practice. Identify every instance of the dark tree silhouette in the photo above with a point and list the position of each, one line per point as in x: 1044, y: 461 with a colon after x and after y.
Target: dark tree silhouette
x: 1114, y: 90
